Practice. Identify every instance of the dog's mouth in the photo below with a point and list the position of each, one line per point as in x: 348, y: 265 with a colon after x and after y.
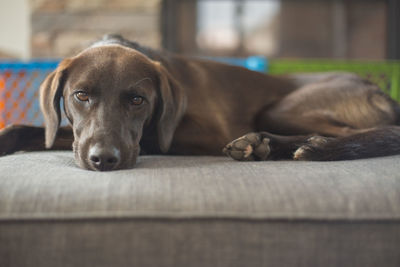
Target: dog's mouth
x: 106, y: 161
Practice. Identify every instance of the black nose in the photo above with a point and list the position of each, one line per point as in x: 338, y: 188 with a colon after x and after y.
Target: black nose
x: 103, y: 159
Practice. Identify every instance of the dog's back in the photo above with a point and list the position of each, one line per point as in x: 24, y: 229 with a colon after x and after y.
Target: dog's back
x: 365, y: 114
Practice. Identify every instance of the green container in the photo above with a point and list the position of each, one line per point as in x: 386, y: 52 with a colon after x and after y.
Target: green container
x: 385, y: 74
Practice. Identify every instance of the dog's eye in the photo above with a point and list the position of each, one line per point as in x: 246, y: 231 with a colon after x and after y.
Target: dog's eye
x: 82, y: 96
x: 137, y: 100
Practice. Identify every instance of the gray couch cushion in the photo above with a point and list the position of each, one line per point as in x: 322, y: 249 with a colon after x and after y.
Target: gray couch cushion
x: 199, y: 211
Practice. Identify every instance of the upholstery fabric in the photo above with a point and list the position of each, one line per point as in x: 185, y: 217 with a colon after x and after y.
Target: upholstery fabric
x: 199, y: 211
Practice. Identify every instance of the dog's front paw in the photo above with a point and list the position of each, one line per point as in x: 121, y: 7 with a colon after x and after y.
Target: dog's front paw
x: 249, y: 147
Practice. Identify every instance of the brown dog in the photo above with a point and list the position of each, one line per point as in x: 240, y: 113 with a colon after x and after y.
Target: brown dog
x: 121, y: 98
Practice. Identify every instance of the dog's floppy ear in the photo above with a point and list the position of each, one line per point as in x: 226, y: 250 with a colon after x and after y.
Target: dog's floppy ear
x: 50, y: 95
x: 172, y: 105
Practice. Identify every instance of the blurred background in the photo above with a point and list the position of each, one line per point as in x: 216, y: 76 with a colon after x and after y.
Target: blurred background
x: 272, y: 36
x: 347, y: 29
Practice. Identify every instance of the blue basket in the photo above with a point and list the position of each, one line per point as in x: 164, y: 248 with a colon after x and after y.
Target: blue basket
x: 255, y: 63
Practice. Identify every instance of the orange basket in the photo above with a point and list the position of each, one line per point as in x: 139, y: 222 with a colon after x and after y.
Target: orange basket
x: 19, y: 84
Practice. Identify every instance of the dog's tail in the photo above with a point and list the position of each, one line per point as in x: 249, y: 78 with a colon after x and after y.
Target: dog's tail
x: 378, y: 142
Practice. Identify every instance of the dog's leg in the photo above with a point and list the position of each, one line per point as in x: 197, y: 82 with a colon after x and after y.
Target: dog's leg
x: 264, y: 146
x: 341, y: 106
x: 383, y: 141
x: 15, y: 138
x: 378, y: 142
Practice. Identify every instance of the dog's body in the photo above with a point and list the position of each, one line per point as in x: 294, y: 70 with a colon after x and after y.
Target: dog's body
x: 121, y: 98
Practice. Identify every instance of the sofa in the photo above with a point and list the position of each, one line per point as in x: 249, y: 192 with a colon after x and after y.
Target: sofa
x: 199, y: 211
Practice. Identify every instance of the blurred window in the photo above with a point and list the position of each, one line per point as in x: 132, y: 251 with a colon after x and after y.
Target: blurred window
x: 237, y: 27
x: 278, y: 28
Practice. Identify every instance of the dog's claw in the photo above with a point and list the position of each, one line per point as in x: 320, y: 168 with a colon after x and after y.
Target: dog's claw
x: 301, y: 152
x: 249, y: 147
x: 305, y: 152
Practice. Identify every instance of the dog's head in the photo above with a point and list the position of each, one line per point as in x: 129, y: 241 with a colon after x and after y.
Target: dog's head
x: 111, y: 93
